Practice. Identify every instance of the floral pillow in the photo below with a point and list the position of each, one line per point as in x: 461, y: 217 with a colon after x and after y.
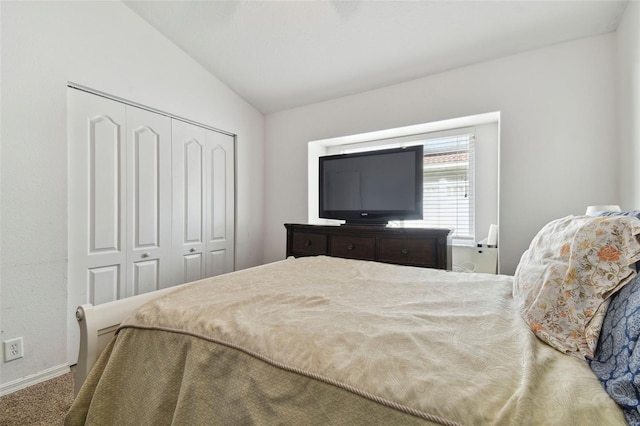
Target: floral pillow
x: 563, y: 281
x: 633, y: 213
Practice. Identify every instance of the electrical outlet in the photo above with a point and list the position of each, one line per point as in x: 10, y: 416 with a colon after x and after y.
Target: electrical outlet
x: 13, y: 349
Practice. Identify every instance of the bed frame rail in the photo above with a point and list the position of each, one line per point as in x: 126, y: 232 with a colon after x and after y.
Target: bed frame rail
x: 98, y: 325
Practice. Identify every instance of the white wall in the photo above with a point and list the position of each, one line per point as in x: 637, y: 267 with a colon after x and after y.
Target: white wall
x: 557, y: 138
x: 105, y: 46
x: 628, y: 35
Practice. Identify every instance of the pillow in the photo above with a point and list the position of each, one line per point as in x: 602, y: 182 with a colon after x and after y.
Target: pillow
x: 563, y: 281
x: 632, y: 213
x: 617, y: 358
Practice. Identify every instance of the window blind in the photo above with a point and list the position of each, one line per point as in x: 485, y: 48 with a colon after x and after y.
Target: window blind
x: 448, y: 192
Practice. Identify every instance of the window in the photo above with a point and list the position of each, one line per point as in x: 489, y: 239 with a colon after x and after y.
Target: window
x: 448, y: 195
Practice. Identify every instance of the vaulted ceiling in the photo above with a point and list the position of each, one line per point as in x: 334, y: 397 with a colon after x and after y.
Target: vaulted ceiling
x: 283, y: 54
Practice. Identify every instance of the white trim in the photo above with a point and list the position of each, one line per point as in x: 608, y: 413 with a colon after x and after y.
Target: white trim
x: 34, y: 379
x: 454, y: 123
x: 82, y: 88
x: 318, y: 148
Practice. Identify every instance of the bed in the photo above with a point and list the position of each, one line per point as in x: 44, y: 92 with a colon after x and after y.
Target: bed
x: 321, y: 340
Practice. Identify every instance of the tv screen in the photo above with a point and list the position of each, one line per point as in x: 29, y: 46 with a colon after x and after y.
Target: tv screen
x: 372, y: 187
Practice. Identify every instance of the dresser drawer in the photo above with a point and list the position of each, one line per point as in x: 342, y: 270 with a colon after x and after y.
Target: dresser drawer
x: 353, y: 247
x: 407, y: 251
x: 308, y: 244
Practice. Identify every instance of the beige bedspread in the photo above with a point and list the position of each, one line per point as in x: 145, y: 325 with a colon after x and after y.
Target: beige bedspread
x: 333, y: 341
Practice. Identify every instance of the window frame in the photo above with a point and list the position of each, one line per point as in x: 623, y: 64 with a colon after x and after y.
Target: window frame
x: 487, y: 162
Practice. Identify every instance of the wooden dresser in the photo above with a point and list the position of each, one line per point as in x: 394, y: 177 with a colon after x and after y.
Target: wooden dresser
x: 428, y: 248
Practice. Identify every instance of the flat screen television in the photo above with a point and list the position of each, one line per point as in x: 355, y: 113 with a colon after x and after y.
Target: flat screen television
x: 373, y: 187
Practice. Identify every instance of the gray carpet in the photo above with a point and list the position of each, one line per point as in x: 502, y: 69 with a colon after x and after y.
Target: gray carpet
x: 44, y: 404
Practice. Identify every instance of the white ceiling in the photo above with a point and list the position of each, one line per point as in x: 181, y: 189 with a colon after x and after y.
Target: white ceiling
x: 283, y: 54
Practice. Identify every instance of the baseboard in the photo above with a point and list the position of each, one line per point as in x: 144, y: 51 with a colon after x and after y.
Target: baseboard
x: 34, y: 379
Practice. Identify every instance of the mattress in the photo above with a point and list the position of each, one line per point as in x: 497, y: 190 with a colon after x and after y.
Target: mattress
x: 323, y: 340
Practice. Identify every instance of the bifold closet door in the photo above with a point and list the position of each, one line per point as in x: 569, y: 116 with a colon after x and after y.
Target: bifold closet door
x: 119, y: 203
x: 220, y: 203
x: 148, y: 206
x: 203, y: 208
x: 97, y: 195
x: 151, y: 203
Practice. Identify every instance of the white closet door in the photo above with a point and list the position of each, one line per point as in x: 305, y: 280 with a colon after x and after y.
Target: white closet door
x: 188, y: 143
x: 220, y: 204
x: 203, y: 190
x: 151, y: 203
x: 148, y: 202
x: 97, y: 225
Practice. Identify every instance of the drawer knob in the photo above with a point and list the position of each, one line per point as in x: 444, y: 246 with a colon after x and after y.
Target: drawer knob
x: 350, y: 247
x: 404, y: 251
x: 307, y: 243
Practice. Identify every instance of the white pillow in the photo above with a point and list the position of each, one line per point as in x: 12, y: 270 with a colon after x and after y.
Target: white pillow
x: 563, y: 281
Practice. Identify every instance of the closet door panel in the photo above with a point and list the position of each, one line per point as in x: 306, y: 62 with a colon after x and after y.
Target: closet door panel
x: 192, y: 201
x: 188, y: 142
x: 148, y: 202
x: 104, y: 188
x: 146, y: 187
x: 96, y: 197
x: 146, y: 276
x: 96, y: 189
x: 220, y: 203
x: 218, y: 185
x: 192, y: 267
x: 104, y: 284
x: 217, y: 263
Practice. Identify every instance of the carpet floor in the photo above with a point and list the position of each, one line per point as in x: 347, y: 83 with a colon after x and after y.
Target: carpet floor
x: 44, y: 404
